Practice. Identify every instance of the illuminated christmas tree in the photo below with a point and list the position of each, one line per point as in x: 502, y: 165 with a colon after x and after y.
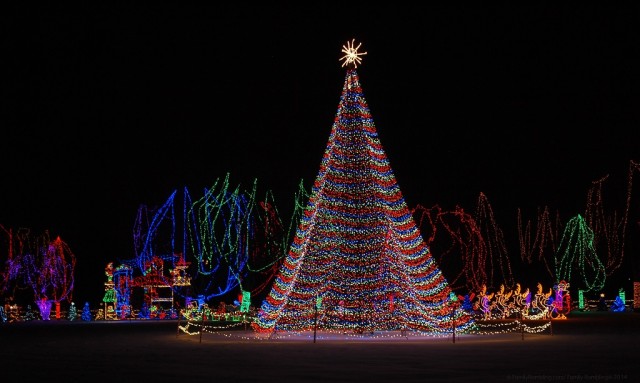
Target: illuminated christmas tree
x: 358, y: 261
x: 86, y: 312
x: 28, y: 314
x: 73, y: 312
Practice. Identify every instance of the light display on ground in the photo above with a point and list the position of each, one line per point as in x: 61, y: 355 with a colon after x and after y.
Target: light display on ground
x: 86, y: 312
x: 44, y: 266
x: 122, y: 286
x: 620, y: 302
x: 618, y: 305
x: 554, y: 303
x: 576, y: 255
x: 231, y: 242
x: 357, y: 247
x: 110, y: 295
x: 73, y: 312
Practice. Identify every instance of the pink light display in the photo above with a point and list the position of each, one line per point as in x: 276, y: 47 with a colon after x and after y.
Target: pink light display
x: 44, y: 266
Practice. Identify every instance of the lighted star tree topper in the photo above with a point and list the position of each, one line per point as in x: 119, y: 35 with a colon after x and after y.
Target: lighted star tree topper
x: 358, y: 261
x: 351, y: 55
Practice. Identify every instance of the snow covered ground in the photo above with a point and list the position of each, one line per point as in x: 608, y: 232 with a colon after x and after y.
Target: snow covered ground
x: 587, y: 347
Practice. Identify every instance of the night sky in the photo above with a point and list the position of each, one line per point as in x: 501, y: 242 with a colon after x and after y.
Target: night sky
x: 107, y: 108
